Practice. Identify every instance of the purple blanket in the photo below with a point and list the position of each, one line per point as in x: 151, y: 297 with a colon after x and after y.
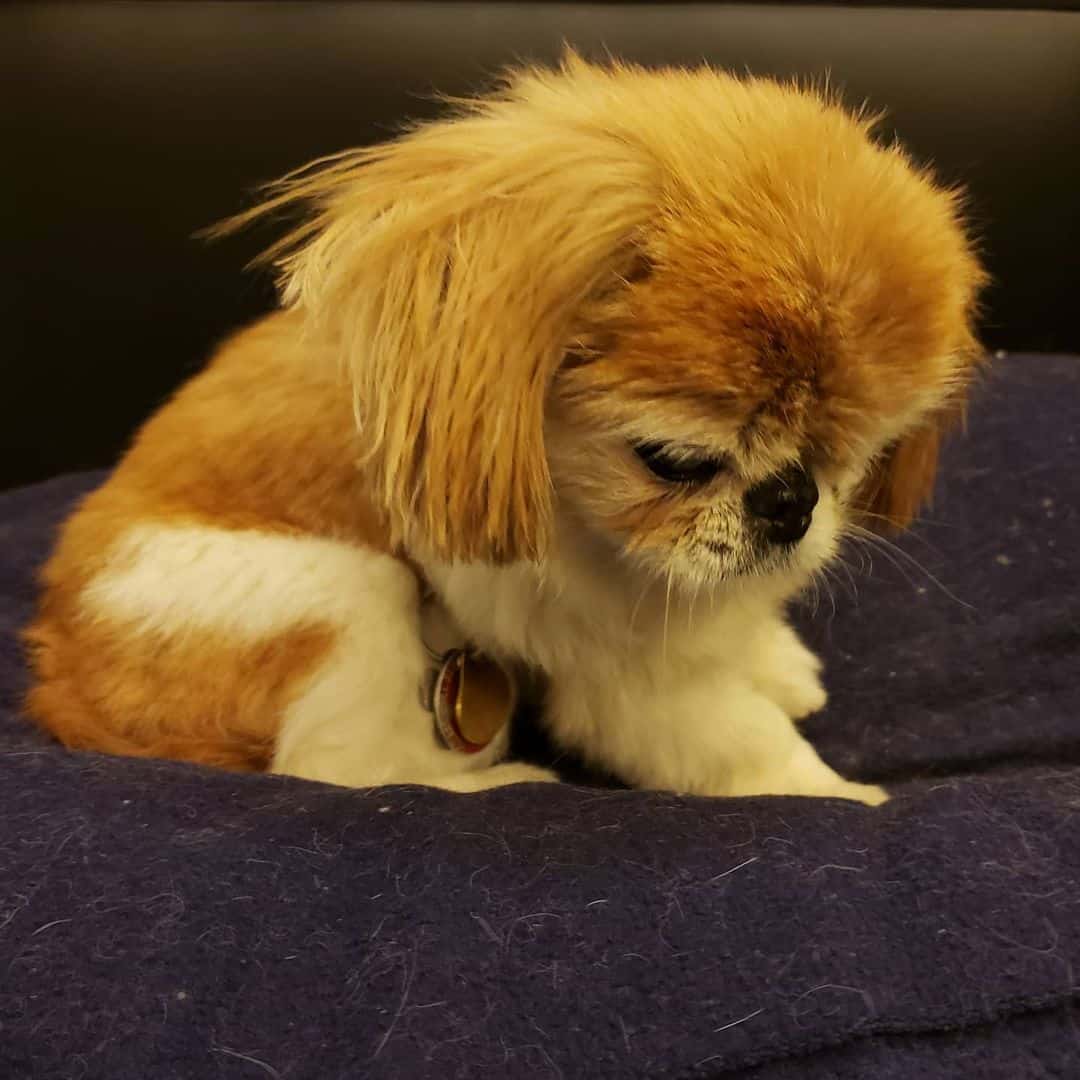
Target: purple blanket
x: 163, y: 921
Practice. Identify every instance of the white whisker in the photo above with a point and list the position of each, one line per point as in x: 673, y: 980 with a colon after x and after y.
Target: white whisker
x: 667, y: 611
x: 890, y: 551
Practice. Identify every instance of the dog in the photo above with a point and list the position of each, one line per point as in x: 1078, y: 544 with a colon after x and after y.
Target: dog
x: 573, y: 389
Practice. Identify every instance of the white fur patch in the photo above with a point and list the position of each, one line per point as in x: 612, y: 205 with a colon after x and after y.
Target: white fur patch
x: 169, y: 578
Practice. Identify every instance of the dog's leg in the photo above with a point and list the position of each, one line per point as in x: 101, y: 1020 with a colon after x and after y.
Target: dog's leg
x: 748, y: 745
x: 359, y: 720
x: 709, y: 734
x: 200, y: 599
x: 782, y: 668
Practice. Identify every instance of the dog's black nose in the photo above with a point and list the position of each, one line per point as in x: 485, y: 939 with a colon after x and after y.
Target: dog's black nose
x: 784, y: 504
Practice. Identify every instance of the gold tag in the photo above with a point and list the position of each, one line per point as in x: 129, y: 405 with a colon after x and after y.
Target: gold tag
x: 473, y: 699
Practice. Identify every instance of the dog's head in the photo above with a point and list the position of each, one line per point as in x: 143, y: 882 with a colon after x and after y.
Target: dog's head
x: 707, y: 320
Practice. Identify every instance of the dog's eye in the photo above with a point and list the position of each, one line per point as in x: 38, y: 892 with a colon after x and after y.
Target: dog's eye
x: 678, y: 466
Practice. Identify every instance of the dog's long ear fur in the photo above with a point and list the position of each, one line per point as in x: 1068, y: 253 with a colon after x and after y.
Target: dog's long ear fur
x: 447, y: 266
x: 902, y: 480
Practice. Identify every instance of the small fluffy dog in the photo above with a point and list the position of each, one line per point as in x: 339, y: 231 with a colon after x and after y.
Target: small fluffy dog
x: 589, y: 380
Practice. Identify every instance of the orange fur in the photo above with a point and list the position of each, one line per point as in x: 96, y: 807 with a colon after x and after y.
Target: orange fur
x: 208, y: 701
x: 260, y: 440
x: 481, y: 314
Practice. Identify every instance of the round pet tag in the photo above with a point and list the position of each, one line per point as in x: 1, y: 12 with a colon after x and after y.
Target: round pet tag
x: 473, y: 699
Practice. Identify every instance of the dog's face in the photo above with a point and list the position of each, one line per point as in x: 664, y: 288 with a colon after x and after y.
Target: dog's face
x: 706, y: 320
x: 735, y: 400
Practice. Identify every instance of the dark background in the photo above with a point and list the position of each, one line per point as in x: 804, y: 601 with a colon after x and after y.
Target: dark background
x: 129, y: 126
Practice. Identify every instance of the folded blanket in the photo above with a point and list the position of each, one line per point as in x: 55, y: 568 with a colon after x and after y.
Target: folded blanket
x: 162, y: 920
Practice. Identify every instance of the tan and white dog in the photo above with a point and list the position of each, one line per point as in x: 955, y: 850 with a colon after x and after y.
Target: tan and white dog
x: 604, y: 366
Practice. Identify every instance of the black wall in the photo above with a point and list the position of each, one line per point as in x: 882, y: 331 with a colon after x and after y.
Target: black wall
x: 129, y: 126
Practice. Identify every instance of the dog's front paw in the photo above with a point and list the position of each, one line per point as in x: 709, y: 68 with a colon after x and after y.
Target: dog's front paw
x: 788, y: 673
x: 818, y: 782
x: 511, y: 772
x: 800, y: 695
x: 870, y: 794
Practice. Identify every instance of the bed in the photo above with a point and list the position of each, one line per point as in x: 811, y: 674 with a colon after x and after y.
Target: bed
x: 159, y: 919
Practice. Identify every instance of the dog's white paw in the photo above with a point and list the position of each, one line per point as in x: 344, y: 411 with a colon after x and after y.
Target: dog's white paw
x: 513, y: 772
x: 870, y: 794
x: 820, y: 782
x: 789, y: 674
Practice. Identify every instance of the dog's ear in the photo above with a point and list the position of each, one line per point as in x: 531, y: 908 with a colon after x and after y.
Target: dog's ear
x: 901, y: 481
x: 447, y: 268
